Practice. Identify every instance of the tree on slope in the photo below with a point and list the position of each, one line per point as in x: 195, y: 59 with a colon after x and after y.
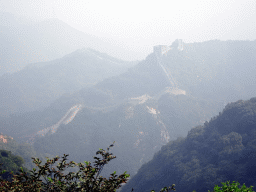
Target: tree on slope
x: 47, y: 178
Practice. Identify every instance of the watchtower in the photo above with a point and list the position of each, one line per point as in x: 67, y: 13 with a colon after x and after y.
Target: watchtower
x: 159, y: 50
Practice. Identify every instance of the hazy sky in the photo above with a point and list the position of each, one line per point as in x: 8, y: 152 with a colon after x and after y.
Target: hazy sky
x: 143, y: 24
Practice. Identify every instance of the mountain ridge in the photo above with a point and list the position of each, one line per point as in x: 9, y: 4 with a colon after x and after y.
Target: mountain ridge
x: 208, y: 155
x: 45, y: 41
x: 110, y: 114
x: 53, y: 79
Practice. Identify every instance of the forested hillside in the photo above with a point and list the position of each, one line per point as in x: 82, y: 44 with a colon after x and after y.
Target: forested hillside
x: 10, y: 163
x: 222, y: 149
x: 140, y: 109
x: 24, y: 150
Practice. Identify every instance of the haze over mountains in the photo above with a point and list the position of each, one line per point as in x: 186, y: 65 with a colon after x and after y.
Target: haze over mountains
x: 222, y: 149
x: 23, y: 42
x: 39, y: 84
x: 84, y: 100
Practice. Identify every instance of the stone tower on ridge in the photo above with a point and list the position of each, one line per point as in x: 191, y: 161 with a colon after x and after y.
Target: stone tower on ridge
x: 163, y: 49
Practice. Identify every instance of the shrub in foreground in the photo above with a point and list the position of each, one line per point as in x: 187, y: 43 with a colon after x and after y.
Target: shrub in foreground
x: 47, y: 178
x: 86, y: 179
x: 233, y: 187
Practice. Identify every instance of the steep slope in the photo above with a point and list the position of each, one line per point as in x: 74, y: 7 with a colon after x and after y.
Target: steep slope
x: 221, y: 71
x: 222, y: 149
x: 9, y: 162
x: 39, y: 84
x: 23, y: 150
x: 139, y: 128
x: 140, y: 109
x: 139, y: 125
x: 217, y: 70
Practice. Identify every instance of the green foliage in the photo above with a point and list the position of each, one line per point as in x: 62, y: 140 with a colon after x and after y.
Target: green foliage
x: 221, y: 150
x: 86, y: 179
x: 11, y: 163
x: 24, y: 150
x: 166, y: 189
x: 233, y: 187
x: 55, y: 180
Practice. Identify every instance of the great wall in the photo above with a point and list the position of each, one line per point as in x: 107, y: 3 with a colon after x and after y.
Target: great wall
x: 161, y: 50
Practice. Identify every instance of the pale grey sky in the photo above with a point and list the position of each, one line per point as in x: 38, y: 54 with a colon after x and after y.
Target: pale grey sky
x: 140, y: 24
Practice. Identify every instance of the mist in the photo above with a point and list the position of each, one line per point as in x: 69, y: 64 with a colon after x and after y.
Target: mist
x: 172, y: 84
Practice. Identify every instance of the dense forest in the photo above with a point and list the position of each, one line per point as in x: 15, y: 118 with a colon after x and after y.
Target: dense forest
x: 14, y: 150
x: 10, y: 163
x: 222, y: 149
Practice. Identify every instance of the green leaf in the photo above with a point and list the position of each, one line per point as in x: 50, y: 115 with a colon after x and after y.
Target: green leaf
x: 50, y: 179
x: 87, y: 163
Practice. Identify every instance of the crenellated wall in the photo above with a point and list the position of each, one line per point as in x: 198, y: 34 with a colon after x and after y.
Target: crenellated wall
x: 159, y: 50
